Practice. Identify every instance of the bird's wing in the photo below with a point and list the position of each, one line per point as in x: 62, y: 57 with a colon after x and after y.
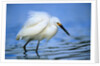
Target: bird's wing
x: 32, y: 21
x: 34, y: 25
x: 31, y: 31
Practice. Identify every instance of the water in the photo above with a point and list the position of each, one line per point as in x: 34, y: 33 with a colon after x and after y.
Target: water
x: 79, y: 50
x: 74, y: 17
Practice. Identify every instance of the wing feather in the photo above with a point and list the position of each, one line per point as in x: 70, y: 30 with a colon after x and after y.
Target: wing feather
x: 34, y: 25
x: 35, y: 18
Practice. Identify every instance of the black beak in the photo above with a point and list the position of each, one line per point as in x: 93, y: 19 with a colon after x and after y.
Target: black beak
x: 64, y: 30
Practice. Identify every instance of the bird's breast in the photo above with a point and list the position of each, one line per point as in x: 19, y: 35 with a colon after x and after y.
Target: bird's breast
x: 48, y: 32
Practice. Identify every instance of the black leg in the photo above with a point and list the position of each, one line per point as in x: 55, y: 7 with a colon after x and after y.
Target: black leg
x: 24, y: 47
x: 37, y: 46
x: 37, y: 54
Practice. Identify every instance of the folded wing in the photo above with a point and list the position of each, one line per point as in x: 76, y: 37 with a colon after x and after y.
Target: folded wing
x: 34, y: 25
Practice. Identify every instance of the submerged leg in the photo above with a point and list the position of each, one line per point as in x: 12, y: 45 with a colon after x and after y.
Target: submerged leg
x: 37, y: 46
x: 25, y: 45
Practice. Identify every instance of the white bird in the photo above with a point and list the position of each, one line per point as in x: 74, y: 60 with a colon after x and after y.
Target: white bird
x: 39, y: 26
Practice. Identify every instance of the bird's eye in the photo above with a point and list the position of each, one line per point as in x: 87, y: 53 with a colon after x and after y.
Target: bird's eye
x: 59, y: 24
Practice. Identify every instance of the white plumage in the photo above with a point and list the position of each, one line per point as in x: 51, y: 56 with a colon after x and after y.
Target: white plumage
x: 39, y: 26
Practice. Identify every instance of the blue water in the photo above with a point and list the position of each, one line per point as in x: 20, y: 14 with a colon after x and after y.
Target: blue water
x: 75, y: 17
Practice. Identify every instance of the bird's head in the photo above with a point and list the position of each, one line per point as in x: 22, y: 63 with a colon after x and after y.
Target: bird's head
x: 56, y: 21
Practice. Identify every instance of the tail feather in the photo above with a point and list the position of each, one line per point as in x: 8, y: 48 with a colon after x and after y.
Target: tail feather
x: 18, y: 37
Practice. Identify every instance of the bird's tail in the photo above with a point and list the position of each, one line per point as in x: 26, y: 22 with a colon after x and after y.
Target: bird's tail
x: 18, y: 37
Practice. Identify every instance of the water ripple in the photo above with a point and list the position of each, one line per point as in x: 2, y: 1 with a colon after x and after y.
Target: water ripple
x: 65, y: 50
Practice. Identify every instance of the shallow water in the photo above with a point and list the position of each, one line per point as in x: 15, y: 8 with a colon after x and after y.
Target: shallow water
x: 60, y: 51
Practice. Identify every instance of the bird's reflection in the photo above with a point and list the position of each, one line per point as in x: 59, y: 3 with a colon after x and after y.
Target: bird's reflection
x: 25, y: 54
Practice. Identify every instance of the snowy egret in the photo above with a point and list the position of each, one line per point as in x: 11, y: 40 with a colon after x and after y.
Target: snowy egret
x: 39, y: 26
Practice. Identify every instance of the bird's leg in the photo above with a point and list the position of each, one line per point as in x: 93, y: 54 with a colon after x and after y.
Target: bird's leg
x: 37, y: 46
x: 37, y: 54
x: 24, y: 47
